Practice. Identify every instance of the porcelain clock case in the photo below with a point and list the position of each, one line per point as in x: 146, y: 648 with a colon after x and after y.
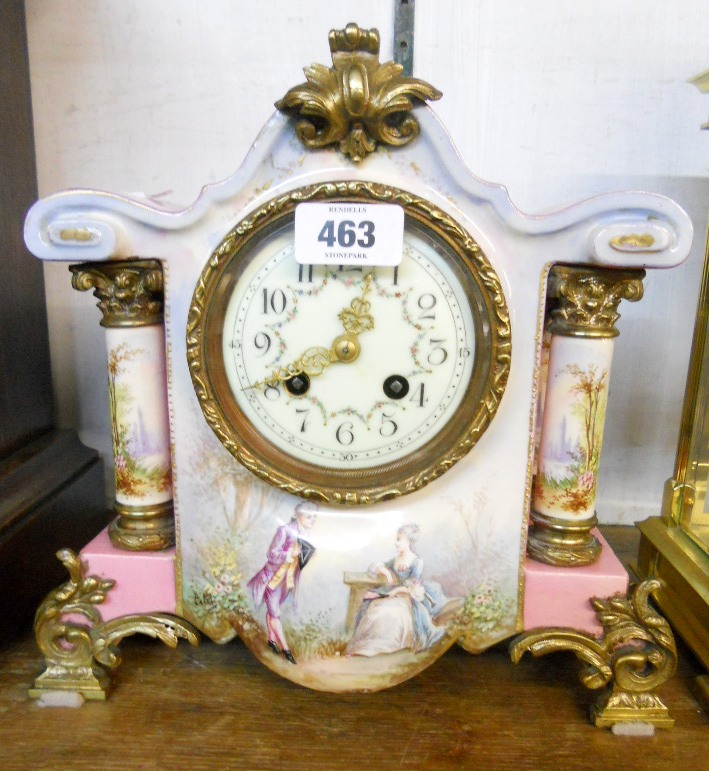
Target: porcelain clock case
x: 348, y: 384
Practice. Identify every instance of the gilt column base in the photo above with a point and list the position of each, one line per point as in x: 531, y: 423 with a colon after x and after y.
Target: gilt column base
x: 143, y: 528
x: 562, y: 542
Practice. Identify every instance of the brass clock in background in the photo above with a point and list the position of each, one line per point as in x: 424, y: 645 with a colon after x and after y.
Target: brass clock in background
x: 349, y: 384
x: 675, y: 546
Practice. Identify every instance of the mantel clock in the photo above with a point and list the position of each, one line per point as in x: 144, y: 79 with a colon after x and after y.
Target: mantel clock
x: 367, y: 403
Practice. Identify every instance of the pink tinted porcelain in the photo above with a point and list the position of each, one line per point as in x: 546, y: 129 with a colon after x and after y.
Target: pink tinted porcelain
x: 559, y: 596
x: 145, y: 581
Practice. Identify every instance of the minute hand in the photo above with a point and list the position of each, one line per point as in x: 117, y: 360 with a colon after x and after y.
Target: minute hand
x: 357, y: 318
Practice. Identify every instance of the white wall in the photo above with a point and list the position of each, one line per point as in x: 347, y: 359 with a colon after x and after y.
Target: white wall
x: 556, y: 100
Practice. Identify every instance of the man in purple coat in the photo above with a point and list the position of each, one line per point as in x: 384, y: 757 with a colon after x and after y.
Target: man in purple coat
x: 277, y: 580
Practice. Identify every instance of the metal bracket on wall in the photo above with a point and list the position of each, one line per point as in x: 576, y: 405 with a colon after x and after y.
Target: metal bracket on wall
x: 404, y: 35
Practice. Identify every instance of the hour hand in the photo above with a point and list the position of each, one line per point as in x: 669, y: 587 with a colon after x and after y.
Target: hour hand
x: 296, y: 375
x: 355, y: 319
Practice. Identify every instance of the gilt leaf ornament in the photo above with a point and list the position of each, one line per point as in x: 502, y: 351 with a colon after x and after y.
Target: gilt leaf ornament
x: 358, y: 102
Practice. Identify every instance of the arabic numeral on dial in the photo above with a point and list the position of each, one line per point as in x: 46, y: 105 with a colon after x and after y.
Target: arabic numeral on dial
x: 426, y: 303
x: 344, y: 434
x: 388, y: 427
x: 262, y: 343
x: 346, y: 456
x: 419, y: 397
x: 272, y: 393
x: 464, y: 353
x: 438, y: 354
x: 304, y: 412
x: 274, y: 301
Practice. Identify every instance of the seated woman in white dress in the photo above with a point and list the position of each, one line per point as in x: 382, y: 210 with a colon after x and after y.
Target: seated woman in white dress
x: 399, y: 614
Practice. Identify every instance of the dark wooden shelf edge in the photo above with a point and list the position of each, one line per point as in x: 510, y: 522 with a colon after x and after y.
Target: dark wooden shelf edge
x: 36, y: 471
x: 53, y: 498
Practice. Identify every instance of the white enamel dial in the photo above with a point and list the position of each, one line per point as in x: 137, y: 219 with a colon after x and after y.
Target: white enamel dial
x: 397, y: 393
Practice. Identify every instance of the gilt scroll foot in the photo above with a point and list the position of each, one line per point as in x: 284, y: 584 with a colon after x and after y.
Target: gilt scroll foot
x: 79, y: 655
x: 635, y: 655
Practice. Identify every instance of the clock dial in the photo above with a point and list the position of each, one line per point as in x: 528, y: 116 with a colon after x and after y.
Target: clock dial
x: 407, y: 378
x: 348, y: 383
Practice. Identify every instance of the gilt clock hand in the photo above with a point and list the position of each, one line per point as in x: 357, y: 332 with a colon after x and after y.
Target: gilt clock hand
x: 345, y: 348
x: 356, y: 318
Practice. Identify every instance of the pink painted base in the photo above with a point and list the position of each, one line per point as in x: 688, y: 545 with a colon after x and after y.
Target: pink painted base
x: 145, y: 581
x: 557, y: 596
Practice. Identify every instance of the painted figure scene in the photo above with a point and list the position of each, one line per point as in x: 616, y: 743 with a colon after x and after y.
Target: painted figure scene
x: 325, y: 600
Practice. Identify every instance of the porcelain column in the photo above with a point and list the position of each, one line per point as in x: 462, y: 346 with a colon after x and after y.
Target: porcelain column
x: 130, y: 297
x: 584, y: 310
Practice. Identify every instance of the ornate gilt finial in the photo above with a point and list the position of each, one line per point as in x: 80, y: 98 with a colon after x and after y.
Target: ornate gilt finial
x: 352, y: 38
x: 357, y: 102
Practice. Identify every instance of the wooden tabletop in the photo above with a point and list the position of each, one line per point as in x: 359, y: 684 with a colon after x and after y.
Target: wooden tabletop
x: 217, y: 707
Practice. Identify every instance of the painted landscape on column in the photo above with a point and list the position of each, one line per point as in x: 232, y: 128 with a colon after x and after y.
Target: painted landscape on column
x: 566, y: 481
x: 142, y: 463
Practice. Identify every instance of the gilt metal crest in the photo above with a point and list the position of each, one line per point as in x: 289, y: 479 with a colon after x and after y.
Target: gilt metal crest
x: 358, y: 102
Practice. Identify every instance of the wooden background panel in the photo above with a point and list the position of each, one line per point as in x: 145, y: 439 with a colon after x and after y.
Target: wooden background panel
x: 26, y: 409
x: 51, y: 492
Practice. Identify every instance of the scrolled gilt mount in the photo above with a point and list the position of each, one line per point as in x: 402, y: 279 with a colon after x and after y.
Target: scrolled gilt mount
x: 636, y: 654
x: 79, y: 655
x: 358, y: 102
